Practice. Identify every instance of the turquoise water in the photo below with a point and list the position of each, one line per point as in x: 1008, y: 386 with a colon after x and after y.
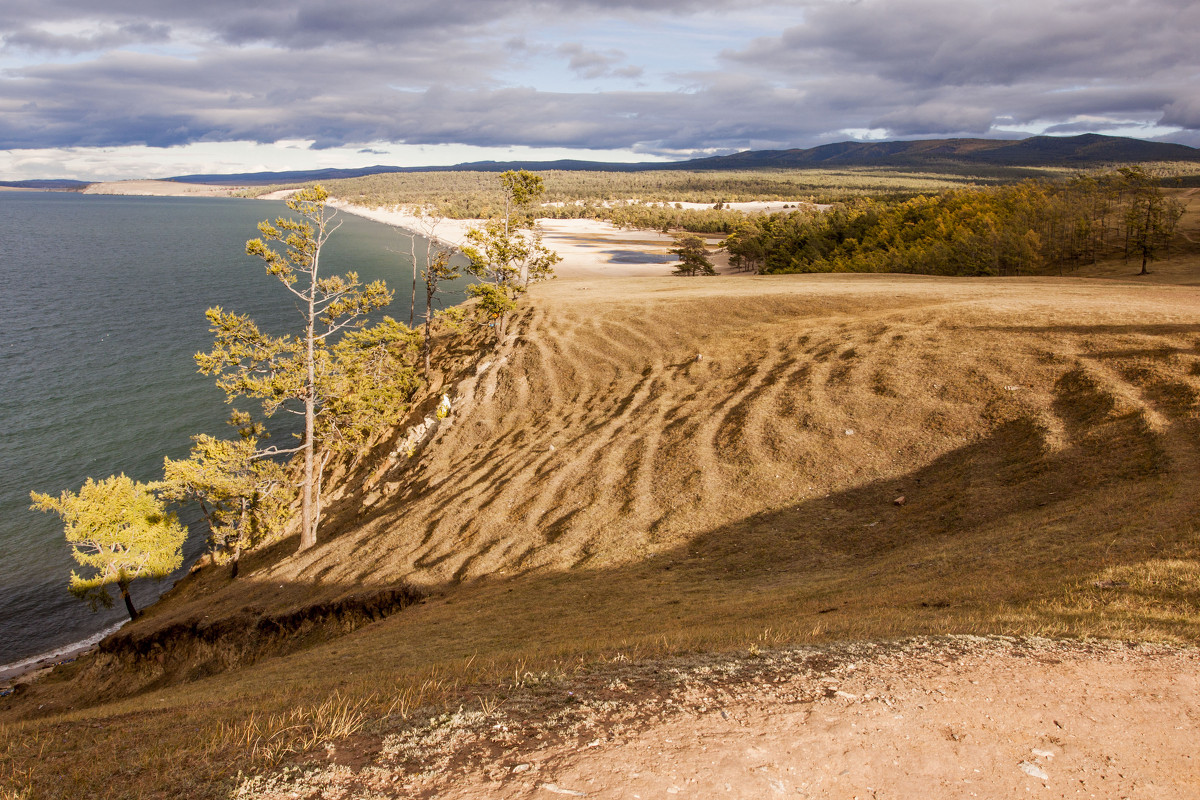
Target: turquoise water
x: 102, y: 305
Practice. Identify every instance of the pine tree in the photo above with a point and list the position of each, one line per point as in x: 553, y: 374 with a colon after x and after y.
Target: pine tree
x: 300, y: 373
x: 693, y: 257
x: 508, y: 252
x: 120, y: 532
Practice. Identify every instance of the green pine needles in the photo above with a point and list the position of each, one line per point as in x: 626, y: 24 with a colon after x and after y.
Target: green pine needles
x: 347, y: 379
x: 118, y: 531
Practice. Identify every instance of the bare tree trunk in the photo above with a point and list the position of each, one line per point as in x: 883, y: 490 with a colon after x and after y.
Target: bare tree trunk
x: 123, y: 585
x: 1146, y: 240
x: 317, y: 493
x: 428, y: 326
x: 412, y: 307
x: 308, y: 522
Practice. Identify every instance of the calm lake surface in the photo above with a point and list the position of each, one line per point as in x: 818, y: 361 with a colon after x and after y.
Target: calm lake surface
x: 102, y: 305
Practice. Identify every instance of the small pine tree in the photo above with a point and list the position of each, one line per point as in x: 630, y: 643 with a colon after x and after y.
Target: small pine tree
x: 120, y: 530
x: 243, y: 496
x: 693, y: 257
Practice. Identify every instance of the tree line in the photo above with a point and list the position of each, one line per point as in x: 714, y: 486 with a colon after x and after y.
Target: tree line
x: 344, y: 376
x: 591, y: 194
x: 1030, y: 227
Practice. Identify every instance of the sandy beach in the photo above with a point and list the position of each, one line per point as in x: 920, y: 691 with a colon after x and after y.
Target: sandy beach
x: 589, y: 248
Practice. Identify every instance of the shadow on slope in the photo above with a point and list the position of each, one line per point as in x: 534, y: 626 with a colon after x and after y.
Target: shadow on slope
x: 1012, y: 533
x: 1004, y: 535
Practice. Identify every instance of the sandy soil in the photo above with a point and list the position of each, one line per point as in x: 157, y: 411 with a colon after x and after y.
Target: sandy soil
x: 632, y: 414
x: 589, y: 248
x: 930, y: 718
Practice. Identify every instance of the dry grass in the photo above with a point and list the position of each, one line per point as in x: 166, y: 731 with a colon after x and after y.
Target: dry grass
x: 609, y: 496
x: 271, y: 738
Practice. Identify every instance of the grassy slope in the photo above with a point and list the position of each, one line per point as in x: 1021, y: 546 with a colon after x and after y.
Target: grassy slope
x: 609, y: 495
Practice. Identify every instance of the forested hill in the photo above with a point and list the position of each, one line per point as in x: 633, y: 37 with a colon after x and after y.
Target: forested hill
x: 47, y: 185
x: 1037, y: 151
x: 1084, y: 150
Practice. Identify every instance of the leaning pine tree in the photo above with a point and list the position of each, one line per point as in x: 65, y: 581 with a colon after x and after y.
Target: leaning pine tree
x: 119, y: 531
x: 301, y: 373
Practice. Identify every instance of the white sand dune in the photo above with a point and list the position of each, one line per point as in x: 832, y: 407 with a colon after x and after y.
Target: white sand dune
x: 589, y: 248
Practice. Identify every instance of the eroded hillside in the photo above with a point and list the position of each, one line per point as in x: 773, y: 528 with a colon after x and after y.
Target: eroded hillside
x: 884, y: 431
x: 655, y: 466
x: 634, y: 418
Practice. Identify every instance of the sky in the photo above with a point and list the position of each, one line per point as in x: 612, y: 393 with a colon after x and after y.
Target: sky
x: 114, y: 89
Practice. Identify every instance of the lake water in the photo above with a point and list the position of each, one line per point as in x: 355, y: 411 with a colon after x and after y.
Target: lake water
x: 102, y: 304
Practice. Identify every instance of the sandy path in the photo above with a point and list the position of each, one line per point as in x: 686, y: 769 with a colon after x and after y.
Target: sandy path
x: 942, y: 718
x: 1109, y: 727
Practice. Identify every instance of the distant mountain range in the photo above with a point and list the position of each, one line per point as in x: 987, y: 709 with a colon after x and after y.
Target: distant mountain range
x: 1038, y: 151
x: 1089, y: 149
x: 55, y: 184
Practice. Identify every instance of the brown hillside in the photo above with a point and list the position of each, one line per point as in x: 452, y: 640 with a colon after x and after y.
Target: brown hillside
x: 662, y: 465
x: 620, y: 428
x: 766, y: 425
x: 755, y: 432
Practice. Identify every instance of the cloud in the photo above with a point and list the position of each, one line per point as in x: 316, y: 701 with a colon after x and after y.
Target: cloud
x: 309, y: 24
x: 672, y: 77
x: 1184, y: 112
x: 592, y: 64
x: 1031, y: 61
x: 106, y: 38
x: 935, y: 118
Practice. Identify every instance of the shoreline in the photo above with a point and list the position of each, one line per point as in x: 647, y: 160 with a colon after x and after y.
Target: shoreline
x: 589, y: 248
x: 35, y: 666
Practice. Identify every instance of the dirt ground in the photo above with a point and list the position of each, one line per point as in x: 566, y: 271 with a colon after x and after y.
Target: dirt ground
x: 940, y: 718
x: 663, y: 466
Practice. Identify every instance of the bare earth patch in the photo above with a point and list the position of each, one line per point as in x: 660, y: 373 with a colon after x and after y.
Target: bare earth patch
x: 940, y: 717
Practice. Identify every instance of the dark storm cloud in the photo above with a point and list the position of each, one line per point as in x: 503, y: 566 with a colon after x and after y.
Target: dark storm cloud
x: 358, y: 71
x: 963, y: 66
x: 313, y: 23
x: 112, y: 37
